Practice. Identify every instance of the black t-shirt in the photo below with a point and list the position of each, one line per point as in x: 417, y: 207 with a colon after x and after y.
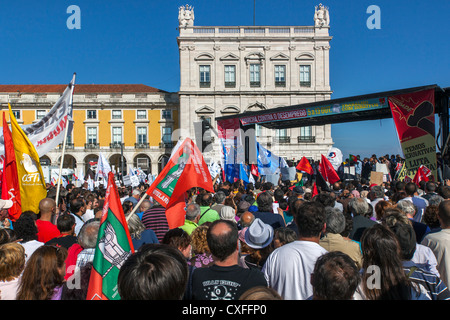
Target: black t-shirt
x: 224, y: 283
x: 66, y: 241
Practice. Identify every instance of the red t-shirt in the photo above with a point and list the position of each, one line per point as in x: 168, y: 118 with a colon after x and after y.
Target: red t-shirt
x: 46, y: 230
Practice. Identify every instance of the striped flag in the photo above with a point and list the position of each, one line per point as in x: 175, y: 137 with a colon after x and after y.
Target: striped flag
x: 113, y: 248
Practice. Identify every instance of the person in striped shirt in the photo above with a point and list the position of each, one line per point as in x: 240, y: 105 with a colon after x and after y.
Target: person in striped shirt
x: 435, y: 287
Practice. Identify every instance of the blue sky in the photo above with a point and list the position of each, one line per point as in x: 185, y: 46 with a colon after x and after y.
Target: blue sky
x: 135, y: 42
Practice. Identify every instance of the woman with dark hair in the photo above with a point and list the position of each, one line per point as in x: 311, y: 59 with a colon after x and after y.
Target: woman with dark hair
x: 383, y: 277
x: 155, y: 272
x: 43, y: 276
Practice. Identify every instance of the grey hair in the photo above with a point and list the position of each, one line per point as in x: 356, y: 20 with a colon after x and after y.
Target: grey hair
x: 358, y: 206
x: 220, y: 197
x: 378, y: 191
x: 435, y: 200
x: 335, y: 220
x: 135, y: 226
x: 87, y: 237
x: 192, y: 211
x: 407, y: 207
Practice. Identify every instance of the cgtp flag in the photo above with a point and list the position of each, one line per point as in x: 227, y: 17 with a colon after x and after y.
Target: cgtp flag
x: 113, y: 248
x: 335, y: 157
x: 31, y: 178
x: 10, y: 183
x: 185, y: 169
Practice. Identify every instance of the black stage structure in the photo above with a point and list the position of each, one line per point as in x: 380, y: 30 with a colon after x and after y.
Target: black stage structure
x: 371, y: 106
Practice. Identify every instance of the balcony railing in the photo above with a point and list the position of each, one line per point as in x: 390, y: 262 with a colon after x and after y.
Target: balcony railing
x: 92, y: 145
x: 306, y: 139
x: 142, y: 145
x: 305, y: 84
x: 69, y: 146
x: 116, y: 145
x: 166, y: 144
x: 281, y: 139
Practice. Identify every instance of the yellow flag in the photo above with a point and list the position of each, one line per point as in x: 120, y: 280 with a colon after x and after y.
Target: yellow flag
x: 29, y: 171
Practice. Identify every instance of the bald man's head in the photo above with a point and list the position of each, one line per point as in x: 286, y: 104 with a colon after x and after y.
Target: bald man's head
x: 246, y: 219
x: 47, y: 207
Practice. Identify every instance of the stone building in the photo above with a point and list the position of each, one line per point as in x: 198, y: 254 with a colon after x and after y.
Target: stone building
x: 233, y: 69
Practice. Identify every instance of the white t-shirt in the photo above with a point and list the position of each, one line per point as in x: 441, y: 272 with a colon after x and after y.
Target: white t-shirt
x: 288, y: 269
x: 30, y: 247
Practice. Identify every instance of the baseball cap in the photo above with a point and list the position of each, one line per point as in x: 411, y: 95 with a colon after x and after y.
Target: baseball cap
x: 5, y: 204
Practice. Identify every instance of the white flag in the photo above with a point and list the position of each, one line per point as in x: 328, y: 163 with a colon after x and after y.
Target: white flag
x: 103, y: 168
x: 335, y: 157
x: 47, y: 133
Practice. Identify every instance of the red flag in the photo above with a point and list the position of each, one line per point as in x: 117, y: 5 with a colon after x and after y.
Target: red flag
x: 254, y: 170
x: 186, y: 169
x: 327, y: 170
x: 314, y: 191
x: 10, y: 179
x: 420, y: 176
x: 304, y: 166
x: 113, y: 248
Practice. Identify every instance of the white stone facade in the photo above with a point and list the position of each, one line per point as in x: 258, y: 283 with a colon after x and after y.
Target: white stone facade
x: 283, y: 55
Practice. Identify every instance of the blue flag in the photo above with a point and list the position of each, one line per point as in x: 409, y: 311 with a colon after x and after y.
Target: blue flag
x: 268, y: 163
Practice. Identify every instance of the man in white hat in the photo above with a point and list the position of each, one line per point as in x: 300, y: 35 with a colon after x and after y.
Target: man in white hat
x: 4, y: 206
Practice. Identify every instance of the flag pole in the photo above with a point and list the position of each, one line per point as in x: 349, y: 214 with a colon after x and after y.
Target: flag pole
x: 58, y: 183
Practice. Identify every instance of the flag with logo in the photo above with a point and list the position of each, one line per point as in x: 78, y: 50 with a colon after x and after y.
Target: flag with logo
x: 422, y: 174
x: 185, y: 169
x: 335, y: 157
x: 113, y: 247
x: 327, y: 170
x: 29, y: 171
x: 269, y: 163
x: 10, y: 183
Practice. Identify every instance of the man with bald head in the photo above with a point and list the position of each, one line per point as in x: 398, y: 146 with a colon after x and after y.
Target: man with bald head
x: 225, y: 279
x: 46, y: 229
x: 246, y: 219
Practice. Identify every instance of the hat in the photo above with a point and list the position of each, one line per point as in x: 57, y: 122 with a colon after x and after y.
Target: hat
x: 5, y: 204
x: 259, y: 235
x: 227, y: 213
x: 298, y: 190
x: 308, y: 190
x: 243, y: 206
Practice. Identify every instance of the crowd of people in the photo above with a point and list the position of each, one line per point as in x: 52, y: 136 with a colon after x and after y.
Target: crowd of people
x: 255, y: 241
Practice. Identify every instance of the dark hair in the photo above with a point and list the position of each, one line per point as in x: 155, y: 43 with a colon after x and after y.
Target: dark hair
x: 177, y: 238
x: 265, y: 202
x: 25, y: 228
x: 335, y: 277
x: 406, y: 237
x: 65, y: 222
x: 155, y: 272
x: 410, y: 188
x: 381, y: 248
x: 326, y: 199
x: 206, y: 199
x: 310, y: 219
x: 76, y: 205
x: 285, y: 235
x: 224, y: 244
x: 444, y: 213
